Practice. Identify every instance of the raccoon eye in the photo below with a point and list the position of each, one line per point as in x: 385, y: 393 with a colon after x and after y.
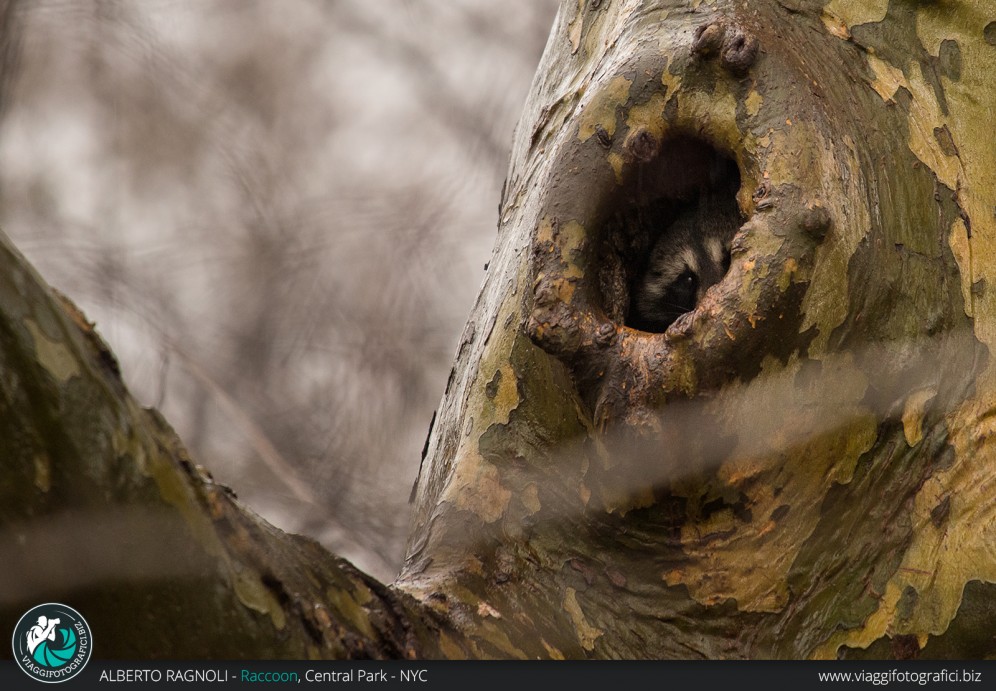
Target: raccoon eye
x: 683, y: 291
x: 686, y: 278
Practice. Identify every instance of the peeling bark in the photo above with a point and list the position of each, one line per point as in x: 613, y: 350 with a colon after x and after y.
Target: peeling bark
x: 776, y: 475
x: 799, y: 467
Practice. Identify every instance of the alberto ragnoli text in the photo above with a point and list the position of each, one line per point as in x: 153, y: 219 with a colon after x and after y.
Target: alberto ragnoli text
x: 269, y: 676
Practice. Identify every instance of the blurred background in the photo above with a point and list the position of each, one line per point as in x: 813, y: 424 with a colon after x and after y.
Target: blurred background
x: 278, y: 213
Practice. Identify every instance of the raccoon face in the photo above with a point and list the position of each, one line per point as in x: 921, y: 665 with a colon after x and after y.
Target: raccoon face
x: 691, y: 256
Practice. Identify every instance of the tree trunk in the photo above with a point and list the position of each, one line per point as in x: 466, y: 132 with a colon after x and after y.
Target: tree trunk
x: 798, y: 467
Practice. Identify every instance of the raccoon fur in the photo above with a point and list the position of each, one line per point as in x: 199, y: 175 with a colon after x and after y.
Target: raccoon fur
x: 690, y: 256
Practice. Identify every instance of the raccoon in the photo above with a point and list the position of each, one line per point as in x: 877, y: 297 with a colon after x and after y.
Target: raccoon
x: 690, y: 256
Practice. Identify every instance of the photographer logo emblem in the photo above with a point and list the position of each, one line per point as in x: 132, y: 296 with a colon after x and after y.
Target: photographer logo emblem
x: 52, y: 642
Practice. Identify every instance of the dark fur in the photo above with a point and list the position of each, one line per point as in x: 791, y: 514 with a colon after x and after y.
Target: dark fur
x: 684, y: 263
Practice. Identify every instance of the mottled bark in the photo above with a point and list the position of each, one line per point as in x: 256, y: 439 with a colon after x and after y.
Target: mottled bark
x: 102, y: 507
x: 799, y: 467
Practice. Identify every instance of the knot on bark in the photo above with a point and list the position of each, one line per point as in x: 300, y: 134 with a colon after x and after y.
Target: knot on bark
x: 605, y: 335
x: 762, y: 196
x: 815, y: 221
x: 642, y: 145
x: 739, y: 51
x: 555, y: 328
x: 708, y: 39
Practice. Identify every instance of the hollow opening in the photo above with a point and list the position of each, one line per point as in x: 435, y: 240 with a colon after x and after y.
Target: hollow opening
x: 668, y: 236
